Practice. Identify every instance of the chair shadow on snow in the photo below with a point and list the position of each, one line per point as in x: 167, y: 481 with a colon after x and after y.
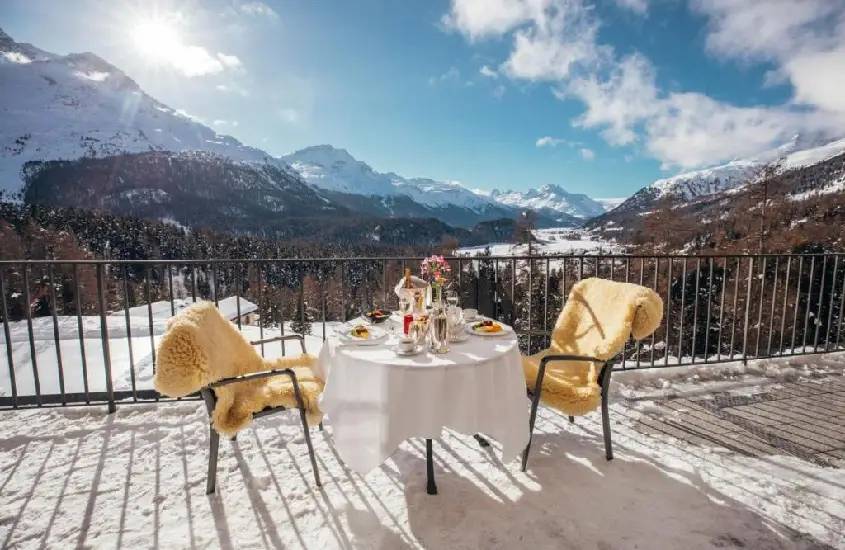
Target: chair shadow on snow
x: 574, y: 498
x: 570, y: 498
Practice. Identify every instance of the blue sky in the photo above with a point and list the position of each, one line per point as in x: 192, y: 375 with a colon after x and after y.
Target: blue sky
x: 600, y: 97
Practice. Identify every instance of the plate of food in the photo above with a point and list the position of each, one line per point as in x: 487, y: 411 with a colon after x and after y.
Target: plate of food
x: 487, y: 327
x: 377, y: 315
x: 361, y: 334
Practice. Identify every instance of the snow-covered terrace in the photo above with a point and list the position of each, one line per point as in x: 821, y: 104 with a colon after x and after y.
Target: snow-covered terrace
x: 715, y: 457
x: 706, y: 456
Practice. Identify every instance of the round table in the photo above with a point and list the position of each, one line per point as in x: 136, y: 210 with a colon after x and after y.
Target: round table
x: 375, y: 399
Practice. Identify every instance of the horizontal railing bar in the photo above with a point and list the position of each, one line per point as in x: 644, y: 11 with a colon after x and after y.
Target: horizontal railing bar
x: 463, y: 257
x: 96, y: 398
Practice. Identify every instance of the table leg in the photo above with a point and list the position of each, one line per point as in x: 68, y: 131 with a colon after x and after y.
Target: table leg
x: 481, y: 441
x: 431, y: 487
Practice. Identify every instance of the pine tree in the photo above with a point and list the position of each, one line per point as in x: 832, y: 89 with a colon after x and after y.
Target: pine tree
x: 302, y: 318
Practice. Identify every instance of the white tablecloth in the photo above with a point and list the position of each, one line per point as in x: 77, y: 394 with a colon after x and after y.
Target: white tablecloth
x: 376, y: 399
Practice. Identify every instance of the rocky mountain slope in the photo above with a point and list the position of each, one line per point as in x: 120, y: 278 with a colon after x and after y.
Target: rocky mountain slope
x: 797, y: 153
x: 800, y: 208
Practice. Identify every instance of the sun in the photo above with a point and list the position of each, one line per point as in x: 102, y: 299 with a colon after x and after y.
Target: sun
x: 156, y: 37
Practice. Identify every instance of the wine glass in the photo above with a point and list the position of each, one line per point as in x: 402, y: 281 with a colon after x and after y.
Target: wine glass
x: 452, y: 298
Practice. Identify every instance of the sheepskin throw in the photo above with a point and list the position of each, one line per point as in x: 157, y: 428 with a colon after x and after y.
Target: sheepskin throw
x: 201, y: 347
x: 596, y: 321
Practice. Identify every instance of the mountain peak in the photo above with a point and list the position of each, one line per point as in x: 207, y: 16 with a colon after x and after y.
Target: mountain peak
x: 322, y: 155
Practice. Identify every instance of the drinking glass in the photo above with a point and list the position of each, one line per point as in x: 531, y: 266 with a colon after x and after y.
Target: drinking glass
x: 452, y: 298
x: 405, y: 305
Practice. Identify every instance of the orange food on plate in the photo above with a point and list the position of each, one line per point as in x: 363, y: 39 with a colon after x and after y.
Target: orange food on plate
x: 360, y: 331
x: 488, y: 326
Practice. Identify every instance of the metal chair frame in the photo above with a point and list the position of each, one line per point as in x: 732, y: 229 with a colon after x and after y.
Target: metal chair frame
x: 604, y: 383
x: 211, y: 401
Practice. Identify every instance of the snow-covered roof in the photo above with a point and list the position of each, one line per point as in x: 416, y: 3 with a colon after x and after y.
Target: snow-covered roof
x: 162, y: 309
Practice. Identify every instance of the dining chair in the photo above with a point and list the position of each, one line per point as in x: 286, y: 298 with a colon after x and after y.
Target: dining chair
x: 204, y: 352
x: 573, y: 374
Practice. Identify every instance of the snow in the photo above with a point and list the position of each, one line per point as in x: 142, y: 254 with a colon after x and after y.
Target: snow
x: 795, y: 153
x: 68, y: 107
x: 79, y: 477
x: 833, y: 187
x: 162, y: 309
x: 610, y: 204
x: 814, y: 155
x: 552, y: 197
x: 334, y: 169
x: 550, y: 242
x: 128, y: 356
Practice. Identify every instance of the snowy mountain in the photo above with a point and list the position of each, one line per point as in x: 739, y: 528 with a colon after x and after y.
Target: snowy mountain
x: 796, y: 153
x: 78, y: 106
x: 610, y: 204
x: 335, y: 170
x: 68, y: 107
x: 550, y: 199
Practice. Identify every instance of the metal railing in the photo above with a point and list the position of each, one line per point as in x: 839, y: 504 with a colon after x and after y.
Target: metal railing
x: 85, y: 332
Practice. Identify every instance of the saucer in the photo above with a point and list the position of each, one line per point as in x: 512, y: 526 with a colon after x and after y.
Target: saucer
x: 418, y: 349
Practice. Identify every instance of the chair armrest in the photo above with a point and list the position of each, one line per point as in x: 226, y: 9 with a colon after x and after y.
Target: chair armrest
x: 211, y: 402
x: 299, y: 337
x: 253, y: 376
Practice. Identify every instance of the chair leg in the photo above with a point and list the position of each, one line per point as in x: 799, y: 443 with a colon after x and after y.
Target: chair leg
x: 605, y: 413
x: 571, y: 419
x: 310, y: 447
x: 535, y: 402
x: 321, y: 426
x: 214, y: 444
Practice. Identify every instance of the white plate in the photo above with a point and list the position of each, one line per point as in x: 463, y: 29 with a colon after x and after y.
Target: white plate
x: 504, y: 332
x: 377, y: 336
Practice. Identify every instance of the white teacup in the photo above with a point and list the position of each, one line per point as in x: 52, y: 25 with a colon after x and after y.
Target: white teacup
x: 470, y: 314
x: 406, y: 345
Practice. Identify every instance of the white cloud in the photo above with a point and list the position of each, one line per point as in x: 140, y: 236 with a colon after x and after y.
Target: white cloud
x: 289, y: 115
x: 499, y: 91
x: 549, y: 141
x: 484, y: 18
x: 230, y: 61
x: 637, y: 6
x: 259, y: 9
x: 451, y: 74
x: 221, y: 122
x: 804, y: 38
x: 556, y: 40
x: 232, y: 89
x: 488, y: 72
x: 586, y: 154
x: 682, y: 129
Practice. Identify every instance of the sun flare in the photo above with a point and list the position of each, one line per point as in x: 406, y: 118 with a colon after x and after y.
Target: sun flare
x: 156, y: 37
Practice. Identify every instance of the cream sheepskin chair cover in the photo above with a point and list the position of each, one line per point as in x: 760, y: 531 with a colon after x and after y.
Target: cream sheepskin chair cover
x: 202, y: 347
x: 596, y: 321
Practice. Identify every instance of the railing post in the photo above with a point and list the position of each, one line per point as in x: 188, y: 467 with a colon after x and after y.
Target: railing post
x: 104, y: 336
x: 9, y: 354
x: 747, y: 311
